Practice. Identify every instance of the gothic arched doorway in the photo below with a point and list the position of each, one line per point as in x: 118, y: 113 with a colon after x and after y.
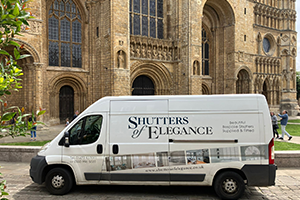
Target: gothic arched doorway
x: 243, y: 82
x: 218, y: 25
x: 143, y: 85
x: 265, y: 91
x: 66, y: 103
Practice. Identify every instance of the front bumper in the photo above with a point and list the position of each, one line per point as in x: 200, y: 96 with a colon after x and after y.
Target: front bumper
x: 37, y: 166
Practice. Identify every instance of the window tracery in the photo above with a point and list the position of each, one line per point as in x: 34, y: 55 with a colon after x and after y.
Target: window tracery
x: 146, y: 18
x: 64, y: 34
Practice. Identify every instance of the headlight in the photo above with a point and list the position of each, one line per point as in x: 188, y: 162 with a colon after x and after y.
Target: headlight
x: 45, y: 147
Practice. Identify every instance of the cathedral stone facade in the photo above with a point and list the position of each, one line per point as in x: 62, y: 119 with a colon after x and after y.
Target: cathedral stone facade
x: 83, y: 50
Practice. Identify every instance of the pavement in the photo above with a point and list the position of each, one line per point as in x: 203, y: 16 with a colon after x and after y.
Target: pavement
x: 21, y: 187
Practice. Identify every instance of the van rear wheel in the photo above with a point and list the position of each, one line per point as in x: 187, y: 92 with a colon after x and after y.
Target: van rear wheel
x: 229, y: 185
x: 59, y: 181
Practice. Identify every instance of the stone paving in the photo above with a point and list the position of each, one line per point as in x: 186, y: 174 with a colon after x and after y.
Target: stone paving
x: 21, y: 187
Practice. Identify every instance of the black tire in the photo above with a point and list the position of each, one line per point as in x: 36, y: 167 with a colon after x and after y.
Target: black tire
x: 59, y: 181
x: 229, y: 185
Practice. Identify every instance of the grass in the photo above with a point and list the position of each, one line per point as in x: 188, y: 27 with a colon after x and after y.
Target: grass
x: 286, y: 146
x: 292, y: 129
x: 294, y: 121
x: 34, y: 143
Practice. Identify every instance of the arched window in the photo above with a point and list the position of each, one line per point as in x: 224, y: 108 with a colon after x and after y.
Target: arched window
x: 64, y: 34
x: 205, y: 53
x: 146, y: 18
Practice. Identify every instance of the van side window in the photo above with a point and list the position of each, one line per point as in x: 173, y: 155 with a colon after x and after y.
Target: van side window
x: 86, y: 131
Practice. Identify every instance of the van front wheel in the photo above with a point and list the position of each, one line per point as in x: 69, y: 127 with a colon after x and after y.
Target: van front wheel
x: 229, y: 185
x: 59, y: 181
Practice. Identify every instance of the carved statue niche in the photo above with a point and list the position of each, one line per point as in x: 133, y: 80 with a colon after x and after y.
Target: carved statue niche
x: 160, y: 53
x: 155, y: 53
x: 164, y: 54
x: 169, y: 54
x: 149, y: 51
x: 131, y: 50
x: 196, y: 67
x: 121, y: 60
x: 143, y: 51
x: 137, y: 51
x: 259, y: 40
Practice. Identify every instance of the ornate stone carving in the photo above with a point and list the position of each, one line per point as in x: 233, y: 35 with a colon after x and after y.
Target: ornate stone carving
x: 34, y: 27
x: 267, y: 15
x: 153, y: 49
x: 121, y: 60
x: 196, y: 67
x: 285, y: 38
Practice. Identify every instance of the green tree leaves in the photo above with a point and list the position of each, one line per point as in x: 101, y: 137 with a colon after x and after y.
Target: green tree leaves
x: 13, y: 15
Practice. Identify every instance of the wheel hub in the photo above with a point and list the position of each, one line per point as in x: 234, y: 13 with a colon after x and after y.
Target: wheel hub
x: 229, y: 186
x: 58, y: 181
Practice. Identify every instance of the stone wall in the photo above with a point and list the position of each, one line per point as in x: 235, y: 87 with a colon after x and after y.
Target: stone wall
x: 112, y: 58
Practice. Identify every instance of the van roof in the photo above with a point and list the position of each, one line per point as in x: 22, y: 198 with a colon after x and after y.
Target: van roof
x: 191, y: 102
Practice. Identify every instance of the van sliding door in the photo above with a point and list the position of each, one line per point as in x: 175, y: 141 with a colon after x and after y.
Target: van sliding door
x: 139, y: 142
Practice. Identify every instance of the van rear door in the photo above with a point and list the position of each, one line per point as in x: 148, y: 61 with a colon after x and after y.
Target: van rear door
x: 138, y: 142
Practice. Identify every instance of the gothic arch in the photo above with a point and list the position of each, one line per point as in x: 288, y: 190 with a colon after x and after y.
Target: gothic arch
x: 223, y: 8
x: 219, y: 22
x: 31, y: 50
x: 28, y: 95
x: 76, y: 83
x: 158, y: 73
x: 276, y: 91
x: 205, y: 89
x: 81, y: 8
x: 243, y: 80
x: 266, y: 89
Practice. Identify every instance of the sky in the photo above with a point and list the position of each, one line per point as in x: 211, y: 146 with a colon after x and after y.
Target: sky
x: 298, y: 36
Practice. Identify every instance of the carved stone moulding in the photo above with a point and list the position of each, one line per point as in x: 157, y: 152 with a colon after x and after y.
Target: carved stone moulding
x: 153, y: 49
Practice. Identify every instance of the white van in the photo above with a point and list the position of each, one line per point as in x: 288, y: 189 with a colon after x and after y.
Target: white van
x: 224, y: 141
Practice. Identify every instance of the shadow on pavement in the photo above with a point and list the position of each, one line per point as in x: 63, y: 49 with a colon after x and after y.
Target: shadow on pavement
x: 122, y: 192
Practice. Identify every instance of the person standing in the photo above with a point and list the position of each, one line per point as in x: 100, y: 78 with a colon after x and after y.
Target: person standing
x: 33, y: 129
x: 75, y: 115
x: 284, y: 120
x: 67, y: 122
x: 275, y: 125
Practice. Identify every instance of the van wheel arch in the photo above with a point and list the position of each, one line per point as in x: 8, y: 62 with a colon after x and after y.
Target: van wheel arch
x: 229, y: 183
x: 229, y: 170
x: 50, y: 167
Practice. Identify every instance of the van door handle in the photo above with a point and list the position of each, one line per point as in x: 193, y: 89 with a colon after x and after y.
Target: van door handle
x: 115, y: 149
x: 99, y: 149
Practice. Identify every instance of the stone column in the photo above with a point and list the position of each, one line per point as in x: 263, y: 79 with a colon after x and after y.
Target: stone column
x: 30, y: 95
x: 38, y: 88
x: 120, y: 42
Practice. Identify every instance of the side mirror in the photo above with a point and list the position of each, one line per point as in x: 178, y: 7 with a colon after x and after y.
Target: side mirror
x: 67, y: 143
